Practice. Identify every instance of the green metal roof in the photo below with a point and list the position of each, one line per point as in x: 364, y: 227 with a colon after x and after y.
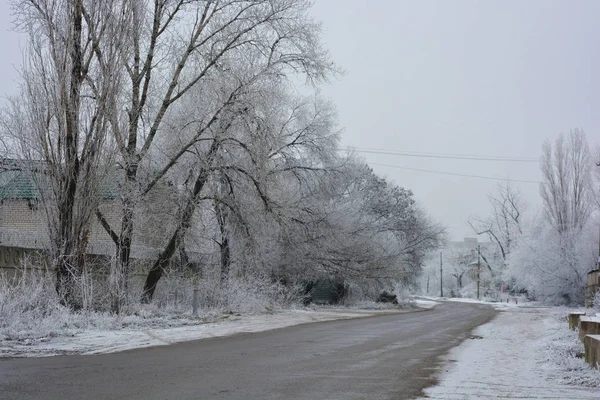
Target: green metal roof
x: 18, y: 185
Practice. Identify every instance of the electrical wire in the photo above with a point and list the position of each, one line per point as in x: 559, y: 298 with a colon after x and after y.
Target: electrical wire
x: 455, y: 174
x: 443, y: 156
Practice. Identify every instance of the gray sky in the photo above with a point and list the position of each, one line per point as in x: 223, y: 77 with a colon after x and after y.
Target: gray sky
x: 492, y: 78
x: 466, y: 77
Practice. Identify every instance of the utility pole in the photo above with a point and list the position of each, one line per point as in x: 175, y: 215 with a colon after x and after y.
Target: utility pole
x: 441, y: 277
x: 598, y: 263
x: 478, y: 267
x: 427, y: 284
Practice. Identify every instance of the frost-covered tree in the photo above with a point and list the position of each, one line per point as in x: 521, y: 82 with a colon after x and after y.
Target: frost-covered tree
x: 504, y: 225
x: 154, y: 56
x: 566, y: 190
x: 504, y: 228
x: 190, y: 109
x: 59, y: 124
x: 358, y: 227
x: 559, y: 249
x: 553, y: 267
x: 273, y: 137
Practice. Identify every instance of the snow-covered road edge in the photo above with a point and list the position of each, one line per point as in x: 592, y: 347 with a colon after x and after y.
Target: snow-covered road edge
x: 111, y: 341
x: 498, y: 305
x: 520, y: 354
x: 426, y: 304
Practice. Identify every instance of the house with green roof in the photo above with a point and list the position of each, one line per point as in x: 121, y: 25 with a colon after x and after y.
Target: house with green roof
x: 23, y: 224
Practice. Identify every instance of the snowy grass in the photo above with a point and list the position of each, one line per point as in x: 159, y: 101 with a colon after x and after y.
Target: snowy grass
x: 524, y: 353
x: 360, y: 296
x: 253, y: 295
x: 34, y: 323
x: 368, y: 305
x: 562, y: 352
x: 30, y: 309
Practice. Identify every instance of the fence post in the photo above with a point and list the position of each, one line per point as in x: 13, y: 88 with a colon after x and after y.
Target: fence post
x: 195, y: 302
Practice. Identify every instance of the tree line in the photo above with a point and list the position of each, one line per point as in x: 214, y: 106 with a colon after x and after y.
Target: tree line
x: 543, y: 251
x: 207, y: 112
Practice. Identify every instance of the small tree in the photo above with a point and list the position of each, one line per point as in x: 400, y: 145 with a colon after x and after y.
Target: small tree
x: 504, y: 226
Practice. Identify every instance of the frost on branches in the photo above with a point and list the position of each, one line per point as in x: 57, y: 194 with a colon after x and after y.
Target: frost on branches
x: 173, y: 132
x: 561, y: 247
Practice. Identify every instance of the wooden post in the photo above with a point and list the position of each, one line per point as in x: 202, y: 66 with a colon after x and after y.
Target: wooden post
x: 478, y: 267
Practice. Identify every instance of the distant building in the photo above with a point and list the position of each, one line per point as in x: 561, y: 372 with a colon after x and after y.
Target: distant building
x: 24, y: 230
x: 459, y: 261
x: 467, y: 244
x: 468, y: 248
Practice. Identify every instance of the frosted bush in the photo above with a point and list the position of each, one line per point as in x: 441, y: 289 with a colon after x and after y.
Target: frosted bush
x: 252, y: 295
x: 29, y: 307
x: 364, y: 295
x: 360, y: 294
x: 403, y: 295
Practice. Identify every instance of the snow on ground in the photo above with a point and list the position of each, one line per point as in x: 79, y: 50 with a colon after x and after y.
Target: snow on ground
x: 524, y: 353
x: 499, y: 305
x: 594, y: 318
x: 110, y: 341
x: 427, y: 304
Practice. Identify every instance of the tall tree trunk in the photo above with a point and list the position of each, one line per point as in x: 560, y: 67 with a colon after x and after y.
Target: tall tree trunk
x: 67, y: 268
x: 123, y: 255
x: 157, y: 269
x: 66, y: 283
x: 224, y: 244
x: 225, y: 261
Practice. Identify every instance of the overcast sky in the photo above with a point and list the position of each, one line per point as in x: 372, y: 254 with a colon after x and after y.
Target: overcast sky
x: 492, y: 78
x: 485, y: 78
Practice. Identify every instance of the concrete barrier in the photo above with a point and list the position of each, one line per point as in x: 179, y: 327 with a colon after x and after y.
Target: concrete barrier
x: 588, y: 326
x: 573, y: 319
x: 592, y: 349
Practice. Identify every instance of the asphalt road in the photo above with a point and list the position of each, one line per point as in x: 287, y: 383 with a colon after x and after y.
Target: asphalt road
x: 385, y: 357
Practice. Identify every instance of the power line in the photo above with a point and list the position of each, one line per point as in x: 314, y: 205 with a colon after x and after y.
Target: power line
x: 444, y: 156
x: 440, y: 154
x: 455, y: 174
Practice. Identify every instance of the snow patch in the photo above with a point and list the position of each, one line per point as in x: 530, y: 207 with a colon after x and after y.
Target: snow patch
x: 590, y: 319
x: 426, y: 304
x: 499, y: 305
x: 522, y: 354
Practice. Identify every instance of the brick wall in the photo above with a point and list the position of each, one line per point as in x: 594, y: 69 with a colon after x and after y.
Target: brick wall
x: 23, y: 224
x: 21, y: 215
